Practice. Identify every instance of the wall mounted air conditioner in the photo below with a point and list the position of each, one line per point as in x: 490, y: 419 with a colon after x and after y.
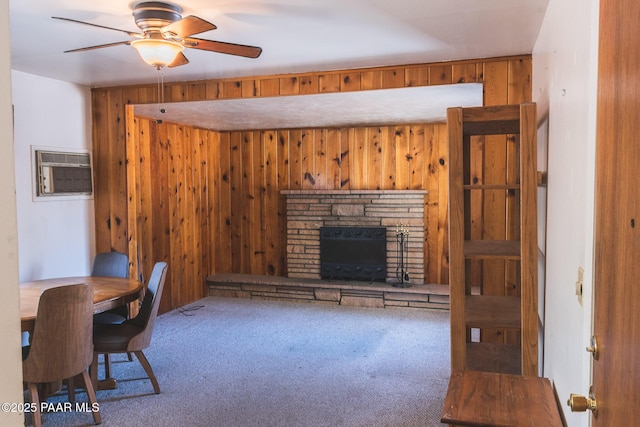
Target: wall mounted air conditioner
x: 62, y: 173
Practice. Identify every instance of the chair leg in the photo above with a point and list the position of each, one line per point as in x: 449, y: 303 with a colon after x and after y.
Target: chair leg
x: 71, y: 390
x: 34, y: 399
x: 107, y: 366
x: 147, y: 367
x: 93, y: 371
x: 130, y: 357
x: 92, y: 397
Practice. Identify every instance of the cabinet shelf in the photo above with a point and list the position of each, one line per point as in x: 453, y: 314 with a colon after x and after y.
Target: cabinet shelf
x: 488, y: 357
x: 491, y: 186
x: 487, y: 311
x: 506, y: 249
x: 504, y: 215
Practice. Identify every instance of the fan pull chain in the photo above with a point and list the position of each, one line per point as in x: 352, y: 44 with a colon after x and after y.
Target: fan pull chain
x: 162, y: 84
x: 161, y: 92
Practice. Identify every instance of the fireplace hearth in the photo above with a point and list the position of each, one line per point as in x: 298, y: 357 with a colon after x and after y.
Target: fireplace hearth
x: 353, y: 253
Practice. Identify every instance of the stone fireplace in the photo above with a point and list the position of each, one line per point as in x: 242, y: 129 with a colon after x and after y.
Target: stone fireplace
x: 309, y: 210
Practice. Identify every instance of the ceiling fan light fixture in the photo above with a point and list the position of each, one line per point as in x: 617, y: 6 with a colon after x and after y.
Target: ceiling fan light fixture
x: 157, y: 52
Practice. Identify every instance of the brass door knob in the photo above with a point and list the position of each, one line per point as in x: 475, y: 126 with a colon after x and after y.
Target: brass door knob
x: 579, y: 403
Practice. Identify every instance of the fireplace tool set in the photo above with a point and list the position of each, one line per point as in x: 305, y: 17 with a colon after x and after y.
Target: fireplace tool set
x: 402, y: 240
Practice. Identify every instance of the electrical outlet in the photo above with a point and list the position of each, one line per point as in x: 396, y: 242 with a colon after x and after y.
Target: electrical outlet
x: 579, y: 284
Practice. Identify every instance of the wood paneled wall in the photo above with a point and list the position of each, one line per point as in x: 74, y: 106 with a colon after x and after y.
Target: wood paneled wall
x: 208, y: 201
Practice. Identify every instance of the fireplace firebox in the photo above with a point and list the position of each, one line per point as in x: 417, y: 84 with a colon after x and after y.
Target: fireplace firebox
x: 353, y: 253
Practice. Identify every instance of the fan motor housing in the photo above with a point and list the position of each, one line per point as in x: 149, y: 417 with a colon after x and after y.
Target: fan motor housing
x: 155, y: 14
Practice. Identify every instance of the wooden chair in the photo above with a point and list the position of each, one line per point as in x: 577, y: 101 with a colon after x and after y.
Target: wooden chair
x: 111, y: 264
x: 61, y: 346
x: 133, y: 335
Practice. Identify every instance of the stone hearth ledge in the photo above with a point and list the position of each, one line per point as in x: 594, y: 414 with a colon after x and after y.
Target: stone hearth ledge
x: 350, y: 293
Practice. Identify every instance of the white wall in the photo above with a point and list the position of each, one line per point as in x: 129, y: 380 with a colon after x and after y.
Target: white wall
x: 10, y: 356
x: 564, y: 86
x: 55, y: 238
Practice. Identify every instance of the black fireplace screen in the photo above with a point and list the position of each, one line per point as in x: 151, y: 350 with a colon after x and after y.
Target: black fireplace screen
x: 353, y: 253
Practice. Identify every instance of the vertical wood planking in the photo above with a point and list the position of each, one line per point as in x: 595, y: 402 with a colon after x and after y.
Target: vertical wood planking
x: 245, y: 214
x: 417, y: 76
x: 216, y: 225
x: 457, y: 218
x: 442, y: 230
x: 145, y: 195
x: 284, y: 182
x: 258, y: 193
x: 270, y: 87
x: 308, y: 158
x: 159, y: 170
x: 187, y: 217
x: 476, y: 176
x: 296, y: 171
x: 417, y: 163
x: 329, y: 83
x: 320, y: 173
x: 358, y: 158
x: 213, y: 212
x: 345, y: 164
x: 270, y: 200
x: 117, y: 174
x: 388, y: 144
x: 237, y: 202
x: 334, y: 159
x: 289, y: 86
x: 429, y: 183
x: 309, y: 84
x: 374, y: 158
x: 232, y: 89
x: 371, y: 80
x: 440, y: 74
x: 403, y: 156
x: 177, y: 204
x: 224, y: 237
x: 350, y: 81
x: 464, y: 73
x: 200, y: 227
x: 133, y: 185
x: 494, y: 208
x: 101, y: 164
x: 212, y: 90
x: 393, y: 78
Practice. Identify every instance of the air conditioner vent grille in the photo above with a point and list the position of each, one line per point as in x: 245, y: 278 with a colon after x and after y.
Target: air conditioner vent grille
x: 65, y: 159
x: 63, y: 173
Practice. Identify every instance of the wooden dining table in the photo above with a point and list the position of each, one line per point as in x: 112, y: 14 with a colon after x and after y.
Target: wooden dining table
x: 108, y: 293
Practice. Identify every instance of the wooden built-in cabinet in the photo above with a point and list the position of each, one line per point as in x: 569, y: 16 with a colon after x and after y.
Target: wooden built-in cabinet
x: 494, y: 326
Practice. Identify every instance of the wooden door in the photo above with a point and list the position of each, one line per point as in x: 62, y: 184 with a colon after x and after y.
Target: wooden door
x: 616, y: 373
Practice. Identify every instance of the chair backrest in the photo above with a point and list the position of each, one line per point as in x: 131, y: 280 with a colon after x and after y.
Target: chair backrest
x: 111, y: 264
x: 62, y: 341
x: 149, y: 309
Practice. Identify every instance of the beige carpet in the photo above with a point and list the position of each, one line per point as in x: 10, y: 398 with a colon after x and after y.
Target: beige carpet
x: 232, y: 362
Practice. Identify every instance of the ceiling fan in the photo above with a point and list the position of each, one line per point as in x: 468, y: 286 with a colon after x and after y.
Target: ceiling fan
x: 165, y: 34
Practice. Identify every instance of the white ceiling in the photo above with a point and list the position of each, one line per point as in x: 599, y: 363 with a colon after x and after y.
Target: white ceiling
x: 401, y: 106
x: 296, y: 36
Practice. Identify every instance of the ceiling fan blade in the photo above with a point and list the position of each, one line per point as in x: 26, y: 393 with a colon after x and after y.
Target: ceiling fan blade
x: 180, y: 60
x: 100, y: 46
x: 132, y: 34
x: 223, y: 47
x: 187, y: 26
